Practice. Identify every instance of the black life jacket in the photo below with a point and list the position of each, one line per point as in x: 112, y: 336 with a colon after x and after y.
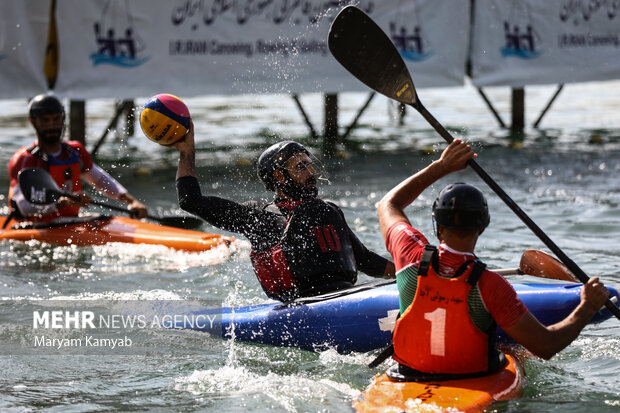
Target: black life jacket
x: 314, y: 254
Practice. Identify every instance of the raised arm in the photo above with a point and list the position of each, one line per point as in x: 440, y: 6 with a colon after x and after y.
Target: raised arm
x: 391, y: 208
x: 187, y: 154
x: 247, y: 219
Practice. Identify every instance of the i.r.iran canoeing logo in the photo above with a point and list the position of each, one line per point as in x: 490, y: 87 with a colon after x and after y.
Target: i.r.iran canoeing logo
x: 411, y: 45
x: 521, y: 39
x: 117, y: 40
x: 521, y: 42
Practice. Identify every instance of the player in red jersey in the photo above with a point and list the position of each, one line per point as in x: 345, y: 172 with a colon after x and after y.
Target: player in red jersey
x: 68, y: 162
x: 450, y: 304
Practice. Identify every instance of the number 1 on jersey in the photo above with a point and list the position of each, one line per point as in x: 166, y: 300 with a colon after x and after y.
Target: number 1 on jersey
x: 438, y: 331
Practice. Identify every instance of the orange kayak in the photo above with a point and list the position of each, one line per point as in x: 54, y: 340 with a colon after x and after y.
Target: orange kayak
x: 103, y: 229
x: 463, y: 395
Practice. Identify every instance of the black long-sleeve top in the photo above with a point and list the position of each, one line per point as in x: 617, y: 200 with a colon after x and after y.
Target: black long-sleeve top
x: 260, y: 225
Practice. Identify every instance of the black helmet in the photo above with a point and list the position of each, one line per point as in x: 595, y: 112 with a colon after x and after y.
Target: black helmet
x: 275, y: 157
x: 45, y: 104
x: 460, y: 205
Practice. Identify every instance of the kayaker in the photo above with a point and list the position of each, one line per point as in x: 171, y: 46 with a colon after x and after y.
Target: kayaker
x: 449, y: 303
x: 68, y: 162
x: 301, y: 245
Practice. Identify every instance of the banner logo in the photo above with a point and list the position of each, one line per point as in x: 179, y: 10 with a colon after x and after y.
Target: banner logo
x: 521, y: 42
x: 411, y: 46
x: 118, y: 43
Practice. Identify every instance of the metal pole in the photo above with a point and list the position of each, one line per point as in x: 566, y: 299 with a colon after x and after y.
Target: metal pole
x: 518, y: 110
x: 555, y: 95
x: 306, y: 118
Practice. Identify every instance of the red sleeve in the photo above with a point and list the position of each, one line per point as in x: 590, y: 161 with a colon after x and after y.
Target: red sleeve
x: 14, y: 167
x: 20, y: 160
x: 85, y: 159
x: 501, y: 300
x: 405, y: 244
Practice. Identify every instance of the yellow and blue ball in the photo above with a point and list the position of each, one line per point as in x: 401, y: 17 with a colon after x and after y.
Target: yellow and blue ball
x: 165, y: 119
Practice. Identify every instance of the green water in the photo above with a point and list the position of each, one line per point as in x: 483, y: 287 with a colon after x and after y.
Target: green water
x: 565, y: 177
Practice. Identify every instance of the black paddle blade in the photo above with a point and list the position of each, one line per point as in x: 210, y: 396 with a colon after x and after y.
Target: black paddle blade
x: 363, y: 48
x: 185, y: 222
x: 38, y: 186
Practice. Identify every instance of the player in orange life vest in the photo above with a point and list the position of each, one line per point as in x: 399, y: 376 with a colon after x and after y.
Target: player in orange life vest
x: 449, y: 303
x: 67, y: 162
x: 301, y: 244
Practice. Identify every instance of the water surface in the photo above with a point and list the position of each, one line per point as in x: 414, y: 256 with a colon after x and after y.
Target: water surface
x: 564, y: 176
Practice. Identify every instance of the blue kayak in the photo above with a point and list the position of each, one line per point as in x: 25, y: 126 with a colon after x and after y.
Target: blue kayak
x: 359, y: 319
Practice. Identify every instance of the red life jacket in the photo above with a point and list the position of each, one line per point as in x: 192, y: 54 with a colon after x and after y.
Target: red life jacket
x: 436, y: 333
x: 66, y: 174
x: 314, y: 255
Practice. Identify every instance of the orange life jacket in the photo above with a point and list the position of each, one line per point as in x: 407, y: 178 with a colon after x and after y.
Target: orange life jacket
x: 436, y: 333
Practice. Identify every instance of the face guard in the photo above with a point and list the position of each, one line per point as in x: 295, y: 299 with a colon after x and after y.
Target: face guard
x: 276, y: 157
x: 302, y: 190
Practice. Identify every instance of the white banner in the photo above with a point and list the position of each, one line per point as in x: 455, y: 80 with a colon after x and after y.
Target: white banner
x: 526, y: 42
x: 23, y: 38
x: 125, y: 49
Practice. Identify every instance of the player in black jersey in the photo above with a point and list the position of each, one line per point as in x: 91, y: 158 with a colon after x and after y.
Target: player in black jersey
x: 301, y: 245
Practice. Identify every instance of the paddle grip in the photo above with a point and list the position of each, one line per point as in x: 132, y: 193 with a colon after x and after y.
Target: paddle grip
x: 570, y: 264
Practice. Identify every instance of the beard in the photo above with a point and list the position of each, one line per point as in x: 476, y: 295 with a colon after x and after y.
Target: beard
x: 50, y: 136
x: 296, y: 190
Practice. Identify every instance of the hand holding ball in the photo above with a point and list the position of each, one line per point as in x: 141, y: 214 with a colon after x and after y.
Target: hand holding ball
x: 165, y: 119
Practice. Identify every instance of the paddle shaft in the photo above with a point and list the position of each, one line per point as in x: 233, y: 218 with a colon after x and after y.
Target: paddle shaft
x: 103, y: 204
x: 164, y: 220
x: 363, y: 48
x: 506, y: 271
x: 570, y: 264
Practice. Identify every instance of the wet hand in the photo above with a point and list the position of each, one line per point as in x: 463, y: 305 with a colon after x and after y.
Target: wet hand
x: 187, y: 143
x: 137, y: 209
x: 83, y: 201
x: 456, y: 155
x: 594, y: 294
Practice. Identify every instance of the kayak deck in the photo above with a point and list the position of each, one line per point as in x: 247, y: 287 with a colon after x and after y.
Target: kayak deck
x: 360, y: 319
x: 463, y: 395
x: 104, y: 229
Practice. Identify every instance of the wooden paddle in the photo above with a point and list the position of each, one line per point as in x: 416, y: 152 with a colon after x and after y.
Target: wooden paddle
x: 538, y: 263
x: 362, y: 47
x: 39, y: 187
